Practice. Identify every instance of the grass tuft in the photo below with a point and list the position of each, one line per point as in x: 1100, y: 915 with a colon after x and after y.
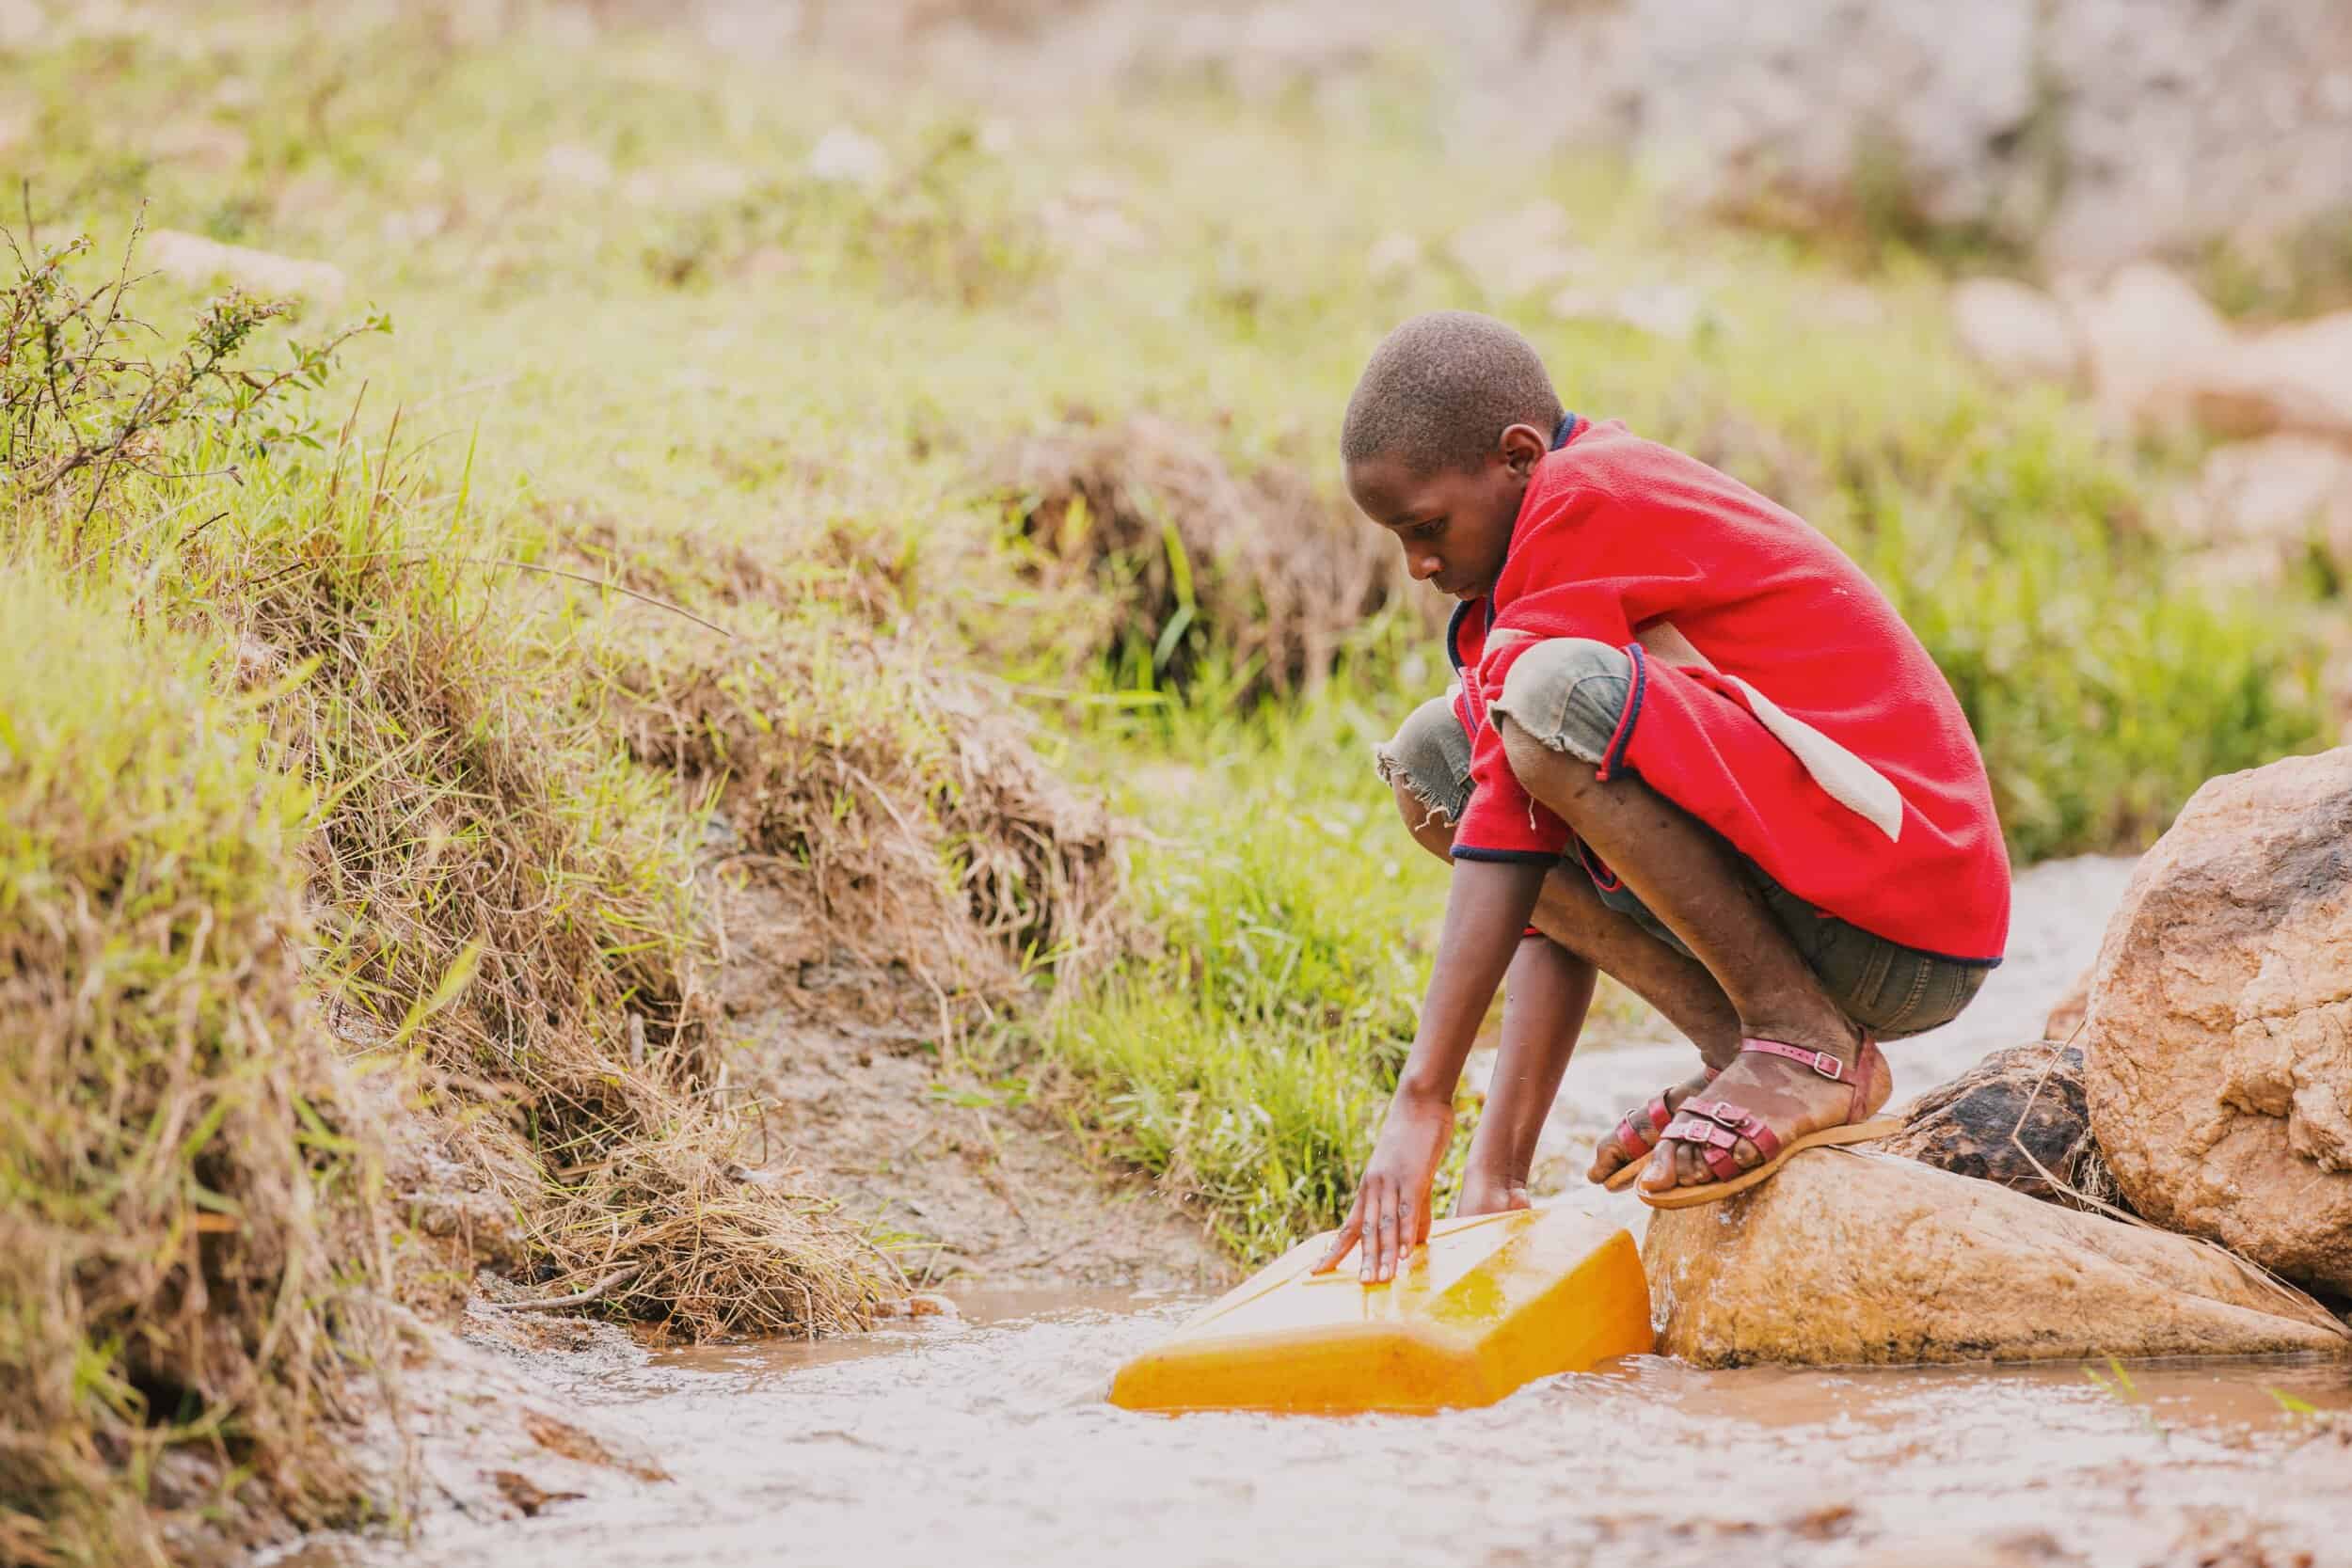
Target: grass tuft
x: 189, y: 1192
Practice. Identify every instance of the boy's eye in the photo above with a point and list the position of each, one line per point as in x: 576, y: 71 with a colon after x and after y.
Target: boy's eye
x: 1429, y: 529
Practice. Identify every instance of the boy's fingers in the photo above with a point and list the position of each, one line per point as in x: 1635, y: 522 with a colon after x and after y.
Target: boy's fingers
x: 1345, y: 1239
x: 1384, y: 1260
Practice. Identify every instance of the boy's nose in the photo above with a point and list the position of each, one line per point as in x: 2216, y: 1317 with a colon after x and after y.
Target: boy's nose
x: 1423, y: 567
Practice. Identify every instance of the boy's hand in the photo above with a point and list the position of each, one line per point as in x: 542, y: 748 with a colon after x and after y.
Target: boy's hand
x: 1486, y: 905
x: 1391, y: 1212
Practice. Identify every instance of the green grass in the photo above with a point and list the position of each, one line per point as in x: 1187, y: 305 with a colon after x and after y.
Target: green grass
x: 1246, y: 1059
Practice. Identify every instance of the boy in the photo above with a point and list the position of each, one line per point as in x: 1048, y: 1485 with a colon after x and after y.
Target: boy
x: 1694, y: 747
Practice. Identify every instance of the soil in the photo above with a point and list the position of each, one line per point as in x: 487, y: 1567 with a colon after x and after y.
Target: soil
x: 966, y: 1182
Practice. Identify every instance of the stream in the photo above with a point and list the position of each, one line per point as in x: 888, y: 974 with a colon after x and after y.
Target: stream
x: 983, y: 1437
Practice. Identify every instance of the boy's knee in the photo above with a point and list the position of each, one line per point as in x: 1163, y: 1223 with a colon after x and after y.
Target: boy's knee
x: 1564, y: 694
x: 1427, y: 765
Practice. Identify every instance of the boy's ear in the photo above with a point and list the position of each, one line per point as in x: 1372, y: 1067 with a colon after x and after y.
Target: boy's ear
x: 1523, y: 447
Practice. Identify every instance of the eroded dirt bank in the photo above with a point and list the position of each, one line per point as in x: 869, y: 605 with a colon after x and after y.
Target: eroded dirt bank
x: 964, y: 1180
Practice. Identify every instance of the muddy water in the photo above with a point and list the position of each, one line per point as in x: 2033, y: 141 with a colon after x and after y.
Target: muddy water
x: 985, y: 1439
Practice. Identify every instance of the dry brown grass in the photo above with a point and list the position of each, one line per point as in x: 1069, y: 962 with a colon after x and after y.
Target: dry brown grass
x: 895, y: 797
x: 1187, y: 556
x: 505, y: 889
x: 189, y: 1214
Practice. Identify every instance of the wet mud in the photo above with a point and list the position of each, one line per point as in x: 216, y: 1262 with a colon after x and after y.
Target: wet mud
x: 989, y: 1442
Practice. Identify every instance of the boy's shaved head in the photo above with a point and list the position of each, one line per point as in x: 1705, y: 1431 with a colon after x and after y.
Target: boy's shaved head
x: 1442, y: 388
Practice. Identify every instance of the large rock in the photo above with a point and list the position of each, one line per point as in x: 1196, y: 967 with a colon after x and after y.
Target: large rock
x: 2097, y: 130
x: 2175, y: 121
x: 1845, y: 1258
x: 2220, y: 1037
x: 2016, y: 1118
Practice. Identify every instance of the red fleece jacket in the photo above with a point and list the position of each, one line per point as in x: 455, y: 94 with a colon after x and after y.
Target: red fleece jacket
x: 1616, y: 534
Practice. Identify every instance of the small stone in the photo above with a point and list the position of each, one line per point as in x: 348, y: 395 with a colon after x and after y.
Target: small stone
x: 1666, y: 310
x: 193, y: 259
x: 2017, y: 333
x: 996, y: 136
x: 1394, y: 256
x: 201, y: 143
x: 705, y: 183
x: 2147, y: 335
x: 843, y: 156
x: 1518, y: 252
x: 579, y: 166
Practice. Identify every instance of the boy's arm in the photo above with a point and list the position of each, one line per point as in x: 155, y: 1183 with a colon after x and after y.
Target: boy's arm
x: 1544, y: 1001
x: 1485, y: 908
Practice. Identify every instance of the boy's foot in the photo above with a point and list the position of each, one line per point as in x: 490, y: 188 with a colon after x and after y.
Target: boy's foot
x: 1621, y: 1155
x: 1774, y: 1100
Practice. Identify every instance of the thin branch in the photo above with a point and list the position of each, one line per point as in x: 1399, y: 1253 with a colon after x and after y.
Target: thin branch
x: 588, y: 1297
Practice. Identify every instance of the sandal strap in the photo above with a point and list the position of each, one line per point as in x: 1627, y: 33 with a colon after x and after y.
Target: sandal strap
x: 1715, y: 1127
x: 1722, y: 1116
x: 1822, y: 1062
x: 1631, y: 1141
x: 1716, y: 1144
x: 1698, y: 1130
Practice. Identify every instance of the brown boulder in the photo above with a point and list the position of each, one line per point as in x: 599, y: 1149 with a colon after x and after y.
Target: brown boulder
x: 2016, y: 1118
x: 2220, y: 1039
x: 1847, y: 1258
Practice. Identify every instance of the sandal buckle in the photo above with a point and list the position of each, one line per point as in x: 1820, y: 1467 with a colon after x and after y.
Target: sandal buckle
x: 1829, y: 1066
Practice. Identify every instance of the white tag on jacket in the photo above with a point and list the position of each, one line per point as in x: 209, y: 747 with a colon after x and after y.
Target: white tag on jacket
x: 1845, y: 777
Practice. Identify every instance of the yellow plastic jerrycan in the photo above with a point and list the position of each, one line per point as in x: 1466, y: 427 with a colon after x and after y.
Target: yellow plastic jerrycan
x: 1490, y: 1304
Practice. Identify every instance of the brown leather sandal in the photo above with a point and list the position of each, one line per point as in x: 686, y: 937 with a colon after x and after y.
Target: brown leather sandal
x: 1634, y: 1145
x: 1717, y: 1126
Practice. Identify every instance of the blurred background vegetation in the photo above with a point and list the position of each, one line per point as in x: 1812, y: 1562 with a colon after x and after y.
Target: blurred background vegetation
x: 729, y: 450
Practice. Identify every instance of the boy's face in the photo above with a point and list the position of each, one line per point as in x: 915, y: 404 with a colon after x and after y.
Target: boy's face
x: 1454, y: 524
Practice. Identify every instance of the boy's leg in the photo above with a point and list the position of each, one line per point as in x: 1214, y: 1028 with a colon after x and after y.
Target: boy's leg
x: 1427, y: 765
x: 1432, y: 787
x: 1693, y: 882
